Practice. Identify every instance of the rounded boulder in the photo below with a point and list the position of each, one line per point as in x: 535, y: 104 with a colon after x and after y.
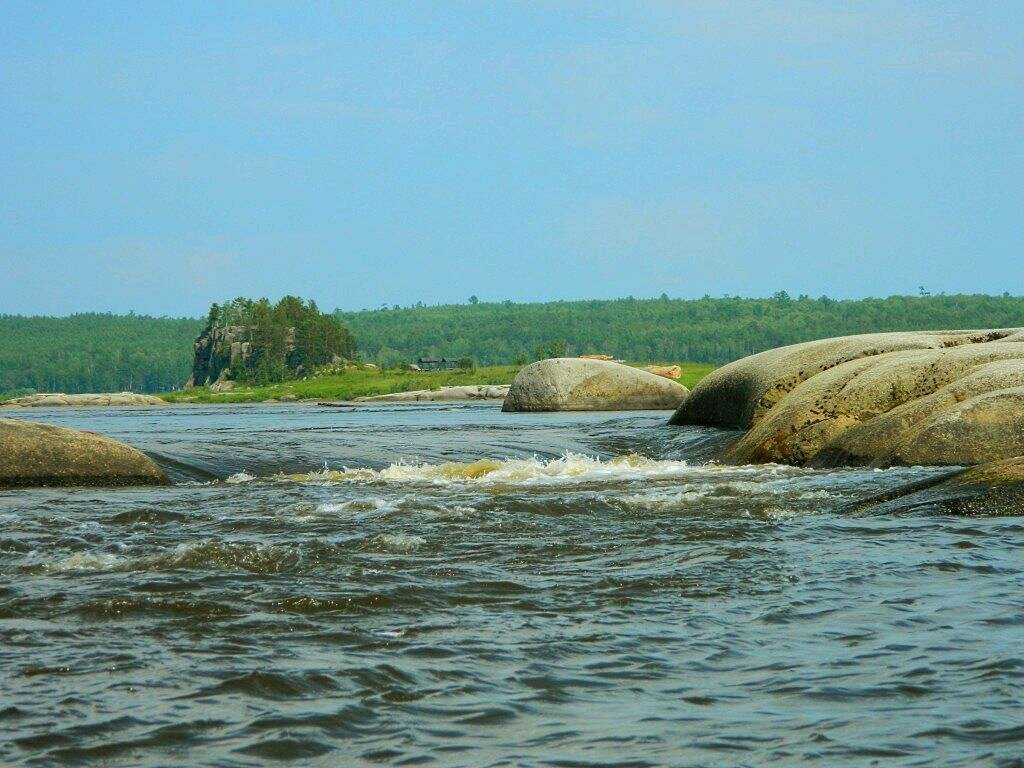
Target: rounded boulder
x: 34, y: 454
x: 575, y: 384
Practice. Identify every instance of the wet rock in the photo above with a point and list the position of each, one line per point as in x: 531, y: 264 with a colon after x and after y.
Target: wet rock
x: 34, y: 454
x: 990, y: 489
x: 574, y: 384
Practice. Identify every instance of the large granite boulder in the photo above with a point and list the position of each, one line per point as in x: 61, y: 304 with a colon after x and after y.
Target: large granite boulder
x: 575, y: 384
x: 34, y: 454
x: 951, y: 397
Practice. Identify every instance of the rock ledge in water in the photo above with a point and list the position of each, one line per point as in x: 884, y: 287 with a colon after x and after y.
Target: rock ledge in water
x: 574, y: 384
x: 34, y: 454
x: 444, y: 394
x: 59, y: 399
x: 992, y: 489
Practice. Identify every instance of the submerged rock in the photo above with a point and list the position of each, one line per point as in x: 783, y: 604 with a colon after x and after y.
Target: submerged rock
x: 34, y: 454
x: 53, y: 399
x: 990, y: 489
x: 574, y: 384
x: 952, y: 397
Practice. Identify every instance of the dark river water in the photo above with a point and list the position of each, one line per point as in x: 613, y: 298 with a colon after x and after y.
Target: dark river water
x: 456, y: 586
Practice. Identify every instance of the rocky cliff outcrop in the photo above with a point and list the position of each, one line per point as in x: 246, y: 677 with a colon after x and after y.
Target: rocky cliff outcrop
x: 217, y: 347
x: 254, y: 340
x: 934, y: 398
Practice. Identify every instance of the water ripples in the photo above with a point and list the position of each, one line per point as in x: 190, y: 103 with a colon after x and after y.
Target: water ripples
x: 611, y: 600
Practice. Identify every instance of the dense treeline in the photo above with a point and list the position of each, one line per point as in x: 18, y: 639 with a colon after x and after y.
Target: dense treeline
x: 702, y: 330
x: 94, y: 352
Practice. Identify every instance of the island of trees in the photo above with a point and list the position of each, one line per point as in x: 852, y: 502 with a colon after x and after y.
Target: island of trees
x: 256, y: 342
x: 95, y: 352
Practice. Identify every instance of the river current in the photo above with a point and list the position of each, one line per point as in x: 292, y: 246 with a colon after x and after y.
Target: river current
x: 454, y: 586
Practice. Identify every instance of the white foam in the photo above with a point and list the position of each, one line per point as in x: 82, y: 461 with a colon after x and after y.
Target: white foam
x: 358, y: 506
x: 240, y: 477
x: 87, y: 561
x: 570, y: 468
x: 696, y: 494
x: 399, y: 542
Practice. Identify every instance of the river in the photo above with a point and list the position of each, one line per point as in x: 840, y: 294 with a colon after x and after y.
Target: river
x: 451, y: 585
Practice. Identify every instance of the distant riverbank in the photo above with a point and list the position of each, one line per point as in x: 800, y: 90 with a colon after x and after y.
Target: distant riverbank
x: 369, y: 382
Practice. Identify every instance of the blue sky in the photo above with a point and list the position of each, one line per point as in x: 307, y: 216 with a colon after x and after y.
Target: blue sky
x: 157, y: 158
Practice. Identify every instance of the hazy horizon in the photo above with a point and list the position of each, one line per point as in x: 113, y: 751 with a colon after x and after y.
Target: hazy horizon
x: 158, y: 159
x: 328, y: 307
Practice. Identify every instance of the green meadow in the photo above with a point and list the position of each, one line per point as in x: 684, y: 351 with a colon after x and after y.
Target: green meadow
x: 362, y: 382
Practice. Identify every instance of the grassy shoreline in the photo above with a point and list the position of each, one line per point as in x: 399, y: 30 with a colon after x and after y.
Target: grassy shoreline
x: 367, y: 382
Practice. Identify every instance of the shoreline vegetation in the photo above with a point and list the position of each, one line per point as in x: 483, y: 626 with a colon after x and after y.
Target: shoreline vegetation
x: 364, y: 382
x: 94, y: 352
x: 361, y: 382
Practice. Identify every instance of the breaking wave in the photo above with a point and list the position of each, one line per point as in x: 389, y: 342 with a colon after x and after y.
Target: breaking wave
x: 567, y: 469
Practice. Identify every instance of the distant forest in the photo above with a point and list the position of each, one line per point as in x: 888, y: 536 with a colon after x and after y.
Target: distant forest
x: 97, y: 352
x: 658, y: 330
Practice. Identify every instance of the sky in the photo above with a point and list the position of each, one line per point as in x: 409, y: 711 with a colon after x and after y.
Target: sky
x: 157, y: 157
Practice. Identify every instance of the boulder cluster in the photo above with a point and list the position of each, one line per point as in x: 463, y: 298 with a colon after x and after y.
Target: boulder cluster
x: 882, y: 399
x: 932, y: 398
x: 939, y: 398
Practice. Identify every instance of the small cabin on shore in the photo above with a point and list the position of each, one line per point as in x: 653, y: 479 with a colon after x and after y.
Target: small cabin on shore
x: 437, y: 363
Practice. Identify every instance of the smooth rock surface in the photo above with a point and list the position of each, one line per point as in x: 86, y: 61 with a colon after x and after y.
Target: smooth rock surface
x: 53, y: 399
x: 34, y: 454
x: 444, y: 394
x: 736, y: 395
x: 574, y: 384
x: 880, y: 399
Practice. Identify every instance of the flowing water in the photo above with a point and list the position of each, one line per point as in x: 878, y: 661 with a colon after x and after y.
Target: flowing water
x: 451, y: 585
